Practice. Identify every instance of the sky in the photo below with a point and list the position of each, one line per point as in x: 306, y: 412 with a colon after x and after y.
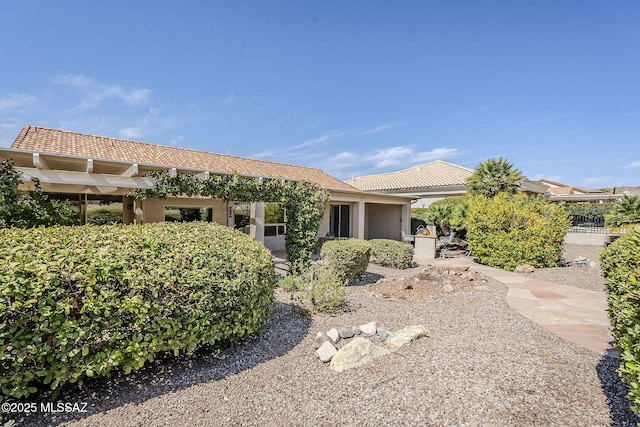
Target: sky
x: 351, y: 87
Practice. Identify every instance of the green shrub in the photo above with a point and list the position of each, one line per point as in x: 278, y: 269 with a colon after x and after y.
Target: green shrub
x: 506, y: 231
x: 391, y: 253
x: 79, y: 302
x: 592, y: 212
x: 317, y: 289
x: 621, y: 271
x: 447, y: 214
x: 347, y: 258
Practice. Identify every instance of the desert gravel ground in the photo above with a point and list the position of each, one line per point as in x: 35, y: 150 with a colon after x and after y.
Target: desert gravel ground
x: 482, y: 364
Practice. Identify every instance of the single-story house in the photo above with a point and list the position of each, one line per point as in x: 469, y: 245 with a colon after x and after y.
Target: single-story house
x: 561, y: 192
x: 88, y: 168
x: 427, y: 183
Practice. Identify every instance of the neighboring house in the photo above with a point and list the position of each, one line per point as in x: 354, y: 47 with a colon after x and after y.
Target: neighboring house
x: 87, y: 168
x: 561, y: 192
x: 427, y: 183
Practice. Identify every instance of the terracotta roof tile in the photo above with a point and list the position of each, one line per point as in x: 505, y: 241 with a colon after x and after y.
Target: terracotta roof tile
x: 45, y: 140
x: 430, y: 175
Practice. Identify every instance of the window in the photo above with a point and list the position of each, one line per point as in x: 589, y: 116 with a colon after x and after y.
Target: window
x: 187, y: 214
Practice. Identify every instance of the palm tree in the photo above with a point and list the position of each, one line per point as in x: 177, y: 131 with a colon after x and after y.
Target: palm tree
x: 494, y: 176
x: 625, y: 211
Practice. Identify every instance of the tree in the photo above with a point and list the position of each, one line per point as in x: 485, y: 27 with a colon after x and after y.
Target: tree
x: 29, y: 209
x: 625, y: 212
x: 494, y: 176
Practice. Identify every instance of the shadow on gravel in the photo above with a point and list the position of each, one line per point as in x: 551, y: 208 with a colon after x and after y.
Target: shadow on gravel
x: 285, y: 330
x: 616, y: 391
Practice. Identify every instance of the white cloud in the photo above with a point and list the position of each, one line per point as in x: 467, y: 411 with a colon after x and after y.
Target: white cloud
x: 131, y: 133
x: 319, y: 140
x: 633, y: 165
x: 378, y: 129
x: 404, y: 155
x: 94, y: 92
x: 14, y: 101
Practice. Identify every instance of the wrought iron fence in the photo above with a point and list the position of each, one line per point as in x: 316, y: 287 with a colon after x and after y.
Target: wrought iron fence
x: 588, y: 224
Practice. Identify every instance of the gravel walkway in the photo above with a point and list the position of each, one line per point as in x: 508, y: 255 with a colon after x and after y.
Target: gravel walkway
x: 482, y: 364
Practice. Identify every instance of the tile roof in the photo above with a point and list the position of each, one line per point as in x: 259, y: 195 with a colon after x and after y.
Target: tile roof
x: 45, y: 140
x: 430, y: 175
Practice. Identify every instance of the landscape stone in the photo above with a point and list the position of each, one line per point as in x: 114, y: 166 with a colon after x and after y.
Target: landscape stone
x: 356, y: 353
x: 346, y: 332
x: 356, y: 330
x: 369, y: 328
x: 320, y: 339
x: 333, y: 335
x: 404, y: 336
x: 382, y: 333
x: 326, y: 352
x: 473, y: 276
x: 525, y: 268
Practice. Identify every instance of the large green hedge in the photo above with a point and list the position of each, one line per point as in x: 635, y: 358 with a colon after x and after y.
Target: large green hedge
x: 83, y: 301
x: 391, y: 253
x: 348, y: 258
x: 621, y: 271
x: 509, y: 230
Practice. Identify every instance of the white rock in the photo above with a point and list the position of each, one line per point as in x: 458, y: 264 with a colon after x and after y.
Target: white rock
x: 404, y: 336
x: 356, y: 353
x: 333, y: 335
x: 369, y: 329
x: 320, y: 339
x: 326, y: 352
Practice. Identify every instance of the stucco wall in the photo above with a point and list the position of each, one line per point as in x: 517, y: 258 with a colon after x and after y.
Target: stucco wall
x: 383, y: 221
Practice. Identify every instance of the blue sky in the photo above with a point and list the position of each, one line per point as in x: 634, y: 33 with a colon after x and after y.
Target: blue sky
x: 352, y: 87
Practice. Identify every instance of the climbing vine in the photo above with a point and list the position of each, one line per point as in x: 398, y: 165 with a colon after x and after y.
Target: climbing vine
x: 304, y: 203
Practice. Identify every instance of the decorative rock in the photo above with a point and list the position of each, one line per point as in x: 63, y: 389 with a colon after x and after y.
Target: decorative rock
x: 356, y: 330
x: 404, y: 336
x: 333, y: 335
x: 473, y: 276
x: 382, y: 333
x: 369, y: 328
x: 356, y: 353
x: 346, y: 332
x: 320, y: 339
x: 326, y: 352
x: 525, y: 268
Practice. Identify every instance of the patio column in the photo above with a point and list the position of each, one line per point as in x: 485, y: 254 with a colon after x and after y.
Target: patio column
x: 358, y: 226
x: 256, y: 221
x: 406, y: 217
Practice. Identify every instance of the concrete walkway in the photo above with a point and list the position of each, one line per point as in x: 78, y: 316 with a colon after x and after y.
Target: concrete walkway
x: 577, y: 315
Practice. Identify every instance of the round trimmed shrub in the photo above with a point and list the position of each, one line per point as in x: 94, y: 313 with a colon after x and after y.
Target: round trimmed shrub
x: 391, y: 253
x: 348, y: 258
x: 79, y: 302
x: 509, y: 230
x: 621, y: 272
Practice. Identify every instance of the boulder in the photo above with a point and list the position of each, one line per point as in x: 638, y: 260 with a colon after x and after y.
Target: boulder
x: 356, y: 353
x: 326, y: 352
x: 525, y: 268
x: 404, y: 336
x: 369, y: 328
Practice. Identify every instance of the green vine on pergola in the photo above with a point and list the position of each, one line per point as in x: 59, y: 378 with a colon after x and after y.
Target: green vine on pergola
x: 304, y: 201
